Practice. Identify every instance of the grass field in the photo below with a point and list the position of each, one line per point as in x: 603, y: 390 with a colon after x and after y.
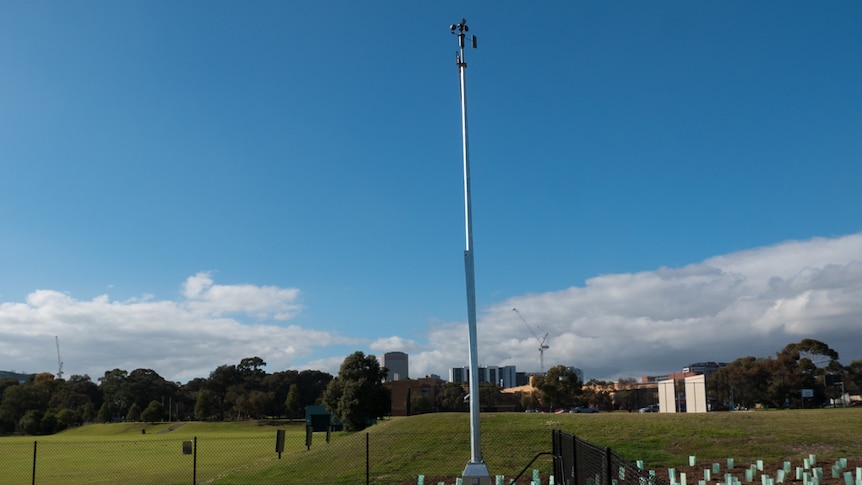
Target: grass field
x: 434, y: 445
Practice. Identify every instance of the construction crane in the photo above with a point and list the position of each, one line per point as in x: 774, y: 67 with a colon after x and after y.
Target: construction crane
x: 542, y: 345
x: 59, y: 362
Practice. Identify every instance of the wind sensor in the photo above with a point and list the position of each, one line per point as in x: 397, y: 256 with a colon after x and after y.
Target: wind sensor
x: 476, y: 472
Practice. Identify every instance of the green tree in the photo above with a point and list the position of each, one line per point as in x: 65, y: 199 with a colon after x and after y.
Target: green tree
x: 88, y: 413
x: 312, y: 384
x: 358, y: 395
x: 113, y: 390
x: 450, y: 397
x: 252, y: 367
x: 31, y: 422
x: 530, y: 400
x: 7, y: 382
x: 155, y: 412
x: 66, y: 418
x: 854, y: 376
x: 222, y: 384
x: 805, y: 365
x: 205, y: 406
x: 105, y: 413
x: 597, y: 393
x: 134, y: 414
x: 253, y: 403
x: 30, y: 399
x: 489, y: 395
x: 420, y: 405
x: 559, y: 387
x: 278, y: 384
x: 292, y: 403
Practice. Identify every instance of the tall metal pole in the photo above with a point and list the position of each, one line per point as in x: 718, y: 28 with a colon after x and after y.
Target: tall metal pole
x: 476, y: 472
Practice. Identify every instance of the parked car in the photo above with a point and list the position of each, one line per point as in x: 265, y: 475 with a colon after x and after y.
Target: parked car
x: 583, y: 409
x: 652, y: 408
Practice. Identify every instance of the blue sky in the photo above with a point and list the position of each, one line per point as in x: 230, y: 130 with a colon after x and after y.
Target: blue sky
x: 187, y: 184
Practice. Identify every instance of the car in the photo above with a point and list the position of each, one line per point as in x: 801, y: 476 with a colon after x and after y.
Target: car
x: 583, y: 409
x: 652, y: 408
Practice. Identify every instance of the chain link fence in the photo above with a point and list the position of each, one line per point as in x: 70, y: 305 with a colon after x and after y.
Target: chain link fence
x: 380, y: 458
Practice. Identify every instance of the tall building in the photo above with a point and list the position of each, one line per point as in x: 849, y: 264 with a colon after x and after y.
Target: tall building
x: 459, y: 375
x: 505, y: 377
x: 396, y: 362
x: 578, y: 372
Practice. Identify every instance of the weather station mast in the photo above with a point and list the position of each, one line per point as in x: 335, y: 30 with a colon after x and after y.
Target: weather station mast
x: 476, y: 472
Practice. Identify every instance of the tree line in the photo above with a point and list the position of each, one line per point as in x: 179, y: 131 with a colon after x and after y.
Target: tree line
x: 776, y: 382
x: 44, y: 404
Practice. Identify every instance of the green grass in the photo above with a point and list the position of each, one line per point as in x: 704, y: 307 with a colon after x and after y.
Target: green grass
x: 435, y: 445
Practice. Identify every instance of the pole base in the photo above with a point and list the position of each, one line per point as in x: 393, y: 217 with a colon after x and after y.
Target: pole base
x: 476, y: 473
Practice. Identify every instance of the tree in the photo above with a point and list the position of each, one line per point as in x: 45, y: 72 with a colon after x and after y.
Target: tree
x: 252, y: 367
x: 807, y: 362
x: 854, y: 374
x: 113, y: 390
x: 89, y: 412
x: 134, y: 414
x: 530, y: 400
x: 205, y: 406
x: 450, y: 397
x: 358, y: 395
x: 155, y: 412
x: 420, y: 405
x: 29, y: 399
x: 489, y: 395
x: 559, y: 387
x: 597, y: 393
x: 279, y: 384
x: 292, y: 403
x: 66, y: 418
x: 312, y: 384
x: 31, y: 422
x: 745, y: 382
x: 220, y: 383
x: 627, y: 395
x: 253, y: 403
x: 105, y: 413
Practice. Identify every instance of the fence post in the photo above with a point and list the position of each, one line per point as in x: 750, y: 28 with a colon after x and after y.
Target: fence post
x: 606, y: 472
x: 367, y: 461
x: 575, y: 445
x: 33, y: 482
x: 195, y: 462
x: 555, y: 449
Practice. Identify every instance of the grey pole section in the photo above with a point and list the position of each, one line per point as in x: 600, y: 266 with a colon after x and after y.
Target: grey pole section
x: 476, y: 472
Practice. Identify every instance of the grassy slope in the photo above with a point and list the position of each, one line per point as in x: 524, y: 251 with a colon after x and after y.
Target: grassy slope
x: 439, y: 444
x: 436, y: 444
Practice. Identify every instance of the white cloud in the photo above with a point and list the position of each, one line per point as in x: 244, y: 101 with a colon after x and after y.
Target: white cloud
x: 179, y: 340
x: 205, y: 297
x: 393, y: 344
x: 751, y: 302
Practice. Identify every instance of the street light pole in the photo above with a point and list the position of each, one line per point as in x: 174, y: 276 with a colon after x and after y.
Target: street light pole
x: 476, y: 472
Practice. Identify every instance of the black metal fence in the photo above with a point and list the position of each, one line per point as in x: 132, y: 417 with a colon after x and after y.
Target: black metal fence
x: 380, y: 458
x: 578, y: 462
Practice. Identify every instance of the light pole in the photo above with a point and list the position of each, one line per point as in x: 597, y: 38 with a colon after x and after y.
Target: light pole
x: 476, y: 472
